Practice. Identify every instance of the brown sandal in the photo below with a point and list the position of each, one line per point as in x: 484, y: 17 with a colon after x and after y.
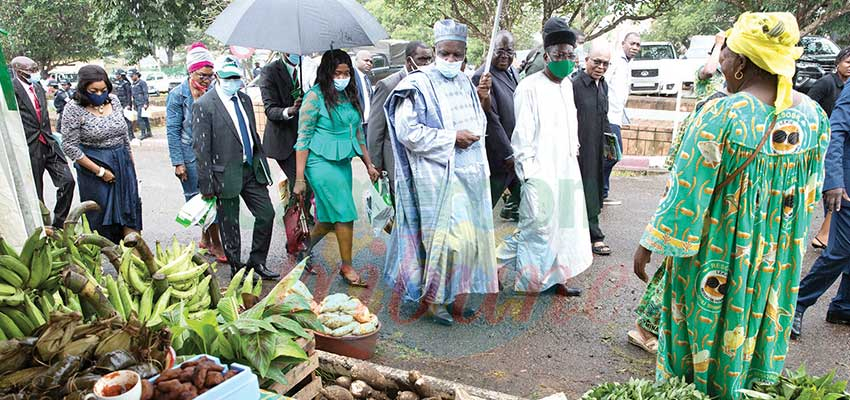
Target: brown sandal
x: 649, y: 345
x: 350, y: 276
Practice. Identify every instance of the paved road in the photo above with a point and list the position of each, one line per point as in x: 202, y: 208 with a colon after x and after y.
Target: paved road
x: 528, y: 346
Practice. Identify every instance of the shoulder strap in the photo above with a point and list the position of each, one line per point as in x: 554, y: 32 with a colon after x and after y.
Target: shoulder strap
x: 749, y: 160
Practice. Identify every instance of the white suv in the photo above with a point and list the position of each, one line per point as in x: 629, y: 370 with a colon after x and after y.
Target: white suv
x: 654, y: 69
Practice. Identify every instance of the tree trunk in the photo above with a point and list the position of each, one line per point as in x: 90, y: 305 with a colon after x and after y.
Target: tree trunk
x: 169, y: 53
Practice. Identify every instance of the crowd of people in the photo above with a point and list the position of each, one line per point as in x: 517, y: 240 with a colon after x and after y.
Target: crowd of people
x: 746, y: 176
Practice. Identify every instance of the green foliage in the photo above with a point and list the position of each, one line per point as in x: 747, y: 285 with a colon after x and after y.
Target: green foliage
x: 800, y: 386
x: 51, y: 32
x: 137, y: 27
x: 673, y: 389
x: 692, y: 17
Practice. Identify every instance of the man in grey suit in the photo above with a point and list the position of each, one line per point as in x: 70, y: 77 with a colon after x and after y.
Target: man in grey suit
x: 231, y: 163
x: 44, y: 153
x: 500, y: 124
x: 379, y: 143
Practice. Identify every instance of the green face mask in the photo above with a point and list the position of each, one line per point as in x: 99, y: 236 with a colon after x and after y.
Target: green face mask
x: 561, y: 69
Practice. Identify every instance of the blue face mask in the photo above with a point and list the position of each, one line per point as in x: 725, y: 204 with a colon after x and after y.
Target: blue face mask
x: 34, y: 77
x: 97, y: 99
x: 449, y: 69
x: 230, y: 86
x: 341, y: 84
x: 294, y: 59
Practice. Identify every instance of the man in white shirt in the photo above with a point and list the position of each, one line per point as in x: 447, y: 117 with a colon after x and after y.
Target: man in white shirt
x: 363, y: 65
x: 619, y: 77
x: 232, y: 163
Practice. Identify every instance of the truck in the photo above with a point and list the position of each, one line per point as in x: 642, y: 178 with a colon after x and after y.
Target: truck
x: 818, y: 59
x: 387, y: 58
x: 656, y: 70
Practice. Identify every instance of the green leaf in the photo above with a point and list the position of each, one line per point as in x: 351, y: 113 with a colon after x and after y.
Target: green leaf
x: 259, y: 349
x: 286, y: 347
x: 221, y: 345
x: 290, y: 325
x: 205, y: 328
x: 276, y: 374
x: 228, y: 309
x: 308, y: 320
x: 250, y: 326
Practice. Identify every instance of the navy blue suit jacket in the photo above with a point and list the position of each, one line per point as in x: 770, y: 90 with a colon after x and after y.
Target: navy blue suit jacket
x: 837, y: 163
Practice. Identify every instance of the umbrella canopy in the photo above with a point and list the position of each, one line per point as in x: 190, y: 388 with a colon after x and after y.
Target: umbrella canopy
x: 297, y: 26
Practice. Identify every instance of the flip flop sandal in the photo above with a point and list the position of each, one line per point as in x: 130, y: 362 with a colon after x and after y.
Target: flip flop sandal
x: 648, y: 345
x: 359, y: 282
x: 602, y: 250
x: 818, y: 244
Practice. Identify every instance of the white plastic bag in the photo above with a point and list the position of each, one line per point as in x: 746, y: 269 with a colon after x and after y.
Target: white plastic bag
x: 379, y: 206
x: 146, y: 113
x: 197, y: 211
x: 131, y: 115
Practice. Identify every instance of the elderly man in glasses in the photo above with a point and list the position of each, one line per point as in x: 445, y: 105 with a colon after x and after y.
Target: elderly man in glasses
x: 500, y: 124
x: 591, y: 95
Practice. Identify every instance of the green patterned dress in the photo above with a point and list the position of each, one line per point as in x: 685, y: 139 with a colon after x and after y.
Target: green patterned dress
x: 734, y: 272
x: 649, y: 310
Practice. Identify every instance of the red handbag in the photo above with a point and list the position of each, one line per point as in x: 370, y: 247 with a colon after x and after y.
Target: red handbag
x: 295, y: 221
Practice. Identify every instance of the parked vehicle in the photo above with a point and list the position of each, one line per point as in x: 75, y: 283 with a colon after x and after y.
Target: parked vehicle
x: 818, y: 60
x: 695, y: 58
x: 656, y: 69
x: 159, y: 82
x: 387, y: 58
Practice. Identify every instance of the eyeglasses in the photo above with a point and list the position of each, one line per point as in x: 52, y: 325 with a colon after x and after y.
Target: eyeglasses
x: 597, y: 62
x: 204, y: 77
x: 505, y: 52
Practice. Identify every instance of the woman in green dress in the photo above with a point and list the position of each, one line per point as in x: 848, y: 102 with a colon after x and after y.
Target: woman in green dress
x: 709, y: 85
x: 735, y: 218
x: 329, y: 136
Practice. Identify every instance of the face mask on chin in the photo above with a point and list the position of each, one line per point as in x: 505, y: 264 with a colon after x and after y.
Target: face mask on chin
x: 448, y: 69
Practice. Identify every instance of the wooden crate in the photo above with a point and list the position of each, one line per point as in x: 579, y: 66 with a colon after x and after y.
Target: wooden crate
x: 302, y: 381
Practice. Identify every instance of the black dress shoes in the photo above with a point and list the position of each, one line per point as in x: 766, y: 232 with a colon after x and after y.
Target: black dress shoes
x: 442, y: 316
x: 564, y: 290
x: 264, y: 272
x: 835, y: 317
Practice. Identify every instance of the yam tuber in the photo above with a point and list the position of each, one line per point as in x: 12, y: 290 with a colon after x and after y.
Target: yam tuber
x: 361, y: 390
x: 172, y: 385
x: 371, y: 376
x: 213, y: 379
x: 407, y: 395
x: 147, y: 390
x: 230, y: 374
x: 200, y: 375
x: 186, y: 374
x: 343, y: 381
x: 334, y: 392
x: 168, y: 375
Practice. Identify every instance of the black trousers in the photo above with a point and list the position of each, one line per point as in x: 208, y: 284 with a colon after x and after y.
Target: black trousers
x: 256, y: 197
x: 501, y: 181
x: 47, y: 157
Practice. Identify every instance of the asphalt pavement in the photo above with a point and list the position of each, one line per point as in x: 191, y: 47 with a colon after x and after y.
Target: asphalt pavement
x: 529, y: 346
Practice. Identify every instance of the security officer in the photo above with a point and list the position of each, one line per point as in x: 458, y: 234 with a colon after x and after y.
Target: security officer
x: 140, y: 103
x: 63, y: 96
x: 121, y: 87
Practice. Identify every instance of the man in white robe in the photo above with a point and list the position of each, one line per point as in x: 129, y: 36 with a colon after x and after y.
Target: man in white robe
x: 551, y: 243
x: 442, y: 243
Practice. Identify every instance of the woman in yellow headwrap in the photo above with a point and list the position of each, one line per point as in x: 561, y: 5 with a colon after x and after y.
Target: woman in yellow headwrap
x: 733, y: 222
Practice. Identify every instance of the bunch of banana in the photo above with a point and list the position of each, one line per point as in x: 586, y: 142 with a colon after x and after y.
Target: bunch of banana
x: 240, y: 287
x: 36, y: 267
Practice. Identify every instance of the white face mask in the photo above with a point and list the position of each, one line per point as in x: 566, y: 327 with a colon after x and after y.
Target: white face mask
x: 449, y: 69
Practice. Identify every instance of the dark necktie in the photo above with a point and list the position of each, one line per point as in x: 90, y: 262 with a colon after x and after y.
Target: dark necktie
x: 243, y: 131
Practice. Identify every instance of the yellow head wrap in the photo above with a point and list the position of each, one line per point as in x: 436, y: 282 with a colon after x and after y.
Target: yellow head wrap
x: 769, y: 40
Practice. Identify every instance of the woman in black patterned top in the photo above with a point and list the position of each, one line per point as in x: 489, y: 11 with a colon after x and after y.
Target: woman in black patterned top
x: 94, y: 136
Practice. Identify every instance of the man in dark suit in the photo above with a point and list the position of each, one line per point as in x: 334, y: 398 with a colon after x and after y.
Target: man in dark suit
x: 362, y: 69
x: 500, y: 124
x: 63, y: 96
x: 379, y: 143
x: 231, y: 163
x: 280, y: 85
x: 122, y: 88
x: 590, y: 92
x: 834, y: 262
x: 44, y: 153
